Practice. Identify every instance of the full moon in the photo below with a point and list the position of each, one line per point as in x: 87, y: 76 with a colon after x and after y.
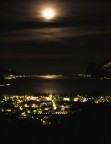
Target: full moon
x: 48, y: 13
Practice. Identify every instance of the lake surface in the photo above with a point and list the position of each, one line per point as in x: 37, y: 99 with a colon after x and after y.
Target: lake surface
x: 60, y: 86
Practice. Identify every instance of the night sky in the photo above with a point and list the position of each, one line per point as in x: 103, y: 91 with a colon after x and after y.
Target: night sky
x: 79, y: 34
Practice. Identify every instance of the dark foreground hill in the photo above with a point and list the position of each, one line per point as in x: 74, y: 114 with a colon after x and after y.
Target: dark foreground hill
x: 92, y: 125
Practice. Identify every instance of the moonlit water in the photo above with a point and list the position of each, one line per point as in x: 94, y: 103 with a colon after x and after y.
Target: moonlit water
x: 93, y: 87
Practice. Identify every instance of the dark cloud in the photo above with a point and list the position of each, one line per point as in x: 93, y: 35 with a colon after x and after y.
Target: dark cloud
x: 80, y: 34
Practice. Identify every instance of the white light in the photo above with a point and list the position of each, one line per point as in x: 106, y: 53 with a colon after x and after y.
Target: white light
x: 48, y: 13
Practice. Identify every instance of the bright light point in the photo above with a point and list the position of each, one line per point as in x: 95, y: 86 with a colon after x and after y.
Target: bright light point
x: 48, y: 13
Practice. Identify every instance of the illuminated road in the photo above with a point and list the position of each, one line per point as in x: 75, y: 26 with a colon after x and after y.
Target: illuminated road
x: 54, y: 104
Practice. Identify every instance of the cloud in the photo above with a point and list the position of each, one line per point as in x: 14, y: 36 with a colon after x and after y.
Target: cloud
x: 29, y: 56
x: 49, y: 34
x: 80, y: 33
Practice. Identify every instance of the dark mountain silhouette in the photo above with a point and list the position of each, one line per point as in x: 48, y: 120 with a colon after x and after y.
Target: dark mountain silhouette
x: 100, y: 70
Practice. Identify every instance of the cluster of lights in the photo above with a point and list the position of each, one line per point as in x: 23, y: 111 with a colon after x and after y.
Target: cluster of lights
x: 107, y: 67
x: 34, y: 107
x: 80, y: 99
x: 43, y: 107
x: 84, y: 75
x: 101, y: 99
x: 12, y: 76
